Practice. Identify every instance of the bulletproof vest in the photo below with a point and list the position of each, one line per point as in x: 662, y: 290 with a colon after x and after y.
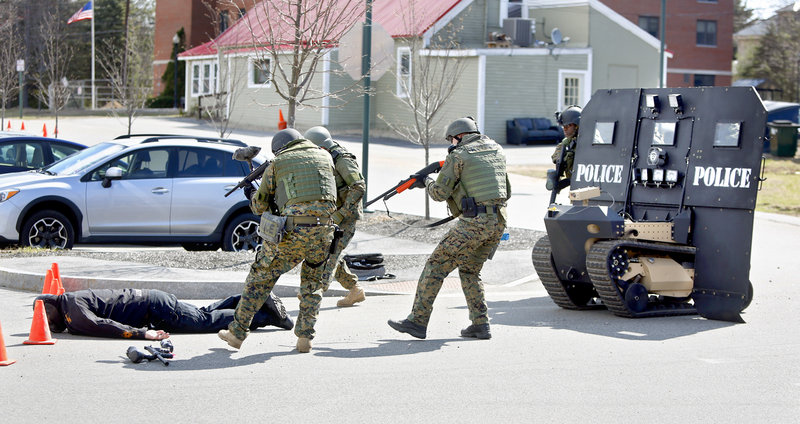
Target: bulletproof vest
x: 484, y: 173
x: 303, y: 174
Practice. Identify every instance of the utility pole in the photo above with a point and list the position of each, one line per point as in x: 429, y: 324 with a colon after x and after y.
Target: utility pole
x: 366, y: 59
x: 662, y: 71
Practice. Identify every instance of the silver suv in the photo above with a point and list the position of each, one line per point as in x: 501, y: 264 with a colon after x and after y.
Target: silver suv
x: 134, y: 189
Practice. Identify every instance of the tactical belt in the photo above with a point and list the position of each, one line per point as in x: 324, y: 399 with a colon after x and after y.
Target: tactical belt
x: 488, y: 209
x: 307, y: 221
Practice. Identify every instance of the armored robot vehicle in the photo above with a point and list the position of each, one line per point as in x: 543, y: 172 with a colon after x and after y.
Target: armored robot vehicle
x: 662, y: 196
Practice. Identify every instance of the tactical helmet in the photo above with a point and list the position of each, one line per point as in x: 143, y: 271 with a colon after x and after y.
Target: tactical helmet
x: 284, y: 137
x: 55, y: 319
x: 570, y: 115
x: 320, y: 136
x: 460, y: 126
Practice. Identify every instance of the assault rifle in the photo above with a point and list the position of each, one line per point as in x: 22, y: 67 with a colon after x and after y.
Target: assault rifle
x: 554, y: 184
x: 246, y: 154
x: 408, y: 182
x: 162, y: 354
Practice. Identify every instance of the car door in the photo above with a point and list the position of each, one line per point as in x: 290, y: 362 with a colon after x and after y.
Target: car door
x: 202, y: 178
x: 138, y: 204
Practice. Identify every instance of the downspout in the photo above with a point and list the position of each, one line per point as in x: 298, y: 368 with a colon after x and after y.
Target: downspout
x: 485, y: 19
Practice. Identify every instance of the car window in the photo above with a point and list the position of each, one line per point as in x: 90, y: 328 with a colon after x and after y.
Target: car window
x: 84, y: 159
x: 236, y: 168
x: 8, y: 154
x: 23, y: 154
x: 193, y: 162
x: 140, y: 164
x: 60, y: 151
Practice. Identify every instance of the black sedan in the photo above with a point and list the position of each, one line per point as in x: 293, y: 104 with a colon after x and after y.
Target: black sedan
x: 23, y: 152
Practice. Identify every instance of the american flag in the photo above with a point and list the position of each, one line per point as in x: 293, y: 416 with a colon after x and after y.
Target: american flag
x: 86, y: 12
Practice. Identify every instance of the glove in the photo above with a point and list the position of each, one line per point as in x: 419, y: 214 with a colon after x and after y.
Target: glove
x: 337, y: 217
x: 419, y: 183
x: 248, y: 191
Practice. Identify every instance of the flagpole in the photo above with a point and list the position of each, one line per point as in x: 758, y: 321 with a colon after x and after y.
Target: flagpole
x: 94, y: 89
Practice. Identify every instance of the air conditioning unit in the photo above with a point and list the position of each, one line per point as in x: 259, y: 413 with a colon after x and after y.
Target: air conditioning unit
x: 520, y: 30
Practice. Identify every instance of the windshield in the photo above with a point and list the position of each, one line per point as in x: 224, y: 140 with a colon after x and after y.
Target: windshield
x: 84, y: 159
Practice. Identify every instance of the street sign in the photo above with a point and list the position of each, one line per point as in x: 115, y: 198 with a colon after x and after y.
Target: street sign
x: 20, y: 65
x: 350, y: 52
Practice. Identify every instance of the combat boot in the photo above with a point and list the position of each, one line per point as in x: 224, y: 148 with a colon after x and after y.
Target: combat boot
x: 232, y: 340
x: 303, y: 345
x: 478, y: 331
x: 355, y: 295
x: 406, y: 326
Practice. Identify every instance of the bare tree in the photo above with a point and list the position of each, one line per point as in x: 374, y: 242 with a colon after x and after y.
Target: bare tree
x: 130, y: 72
x: 10, y: 51
x: 428, y: 76
x: 293, y: 37
x: 53, y: 54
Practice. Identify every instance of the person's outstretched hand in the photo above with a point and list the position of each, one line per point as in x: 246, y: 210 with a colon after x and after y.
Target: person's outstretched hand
x: 156, y: 335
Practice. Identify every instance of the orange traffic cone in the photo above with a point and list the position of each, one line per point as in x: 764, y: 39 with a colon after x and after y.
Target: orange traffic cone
x: 281, y: 122
x: 44, y: 130
x: 48, y: 282
x: 22, y: 128
x: 40, y: 329
x: 3, y: 356
x: 56, y: 272
x: 57, y: 288
x: 55, y: 132
x: 9, y: 125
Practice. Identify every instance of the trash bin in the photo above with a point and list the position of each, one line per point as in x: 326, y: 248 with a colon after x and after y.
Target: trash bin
x: 783, y: 138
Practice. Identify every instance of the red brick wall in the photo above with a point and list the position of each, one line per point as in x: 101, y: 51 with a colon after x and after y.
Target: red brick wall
x: 681, y: 35
x: 191, y: 15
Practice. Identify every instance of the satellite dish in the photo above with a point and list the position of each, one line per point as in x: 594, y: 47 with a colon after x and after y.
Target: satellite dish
x: 555, y: 35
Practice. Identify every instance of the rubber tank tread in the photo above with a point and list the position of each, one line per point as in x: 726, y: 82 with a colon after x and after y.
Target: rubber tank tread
x: 543, y: 264
x: 609, y: 292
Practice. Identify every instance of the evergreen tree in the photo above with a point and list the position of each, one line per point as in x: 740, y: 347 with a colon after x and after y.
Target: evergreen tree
x: 168, y: 78
x: 776, y: 58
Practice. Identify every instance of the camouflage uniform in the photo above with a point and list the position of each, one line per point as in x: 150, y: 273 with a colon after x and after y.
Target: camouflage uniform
x: 302, y: 243
x: 350, y: 189
x: 467, y: 245
x: 569, y: 156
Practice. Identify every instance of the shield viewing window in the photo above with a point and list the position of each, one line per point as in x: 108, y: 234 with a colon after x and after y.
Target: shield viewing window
x: 604, y: 133
x: 664, y: 134
x: 727, y: 134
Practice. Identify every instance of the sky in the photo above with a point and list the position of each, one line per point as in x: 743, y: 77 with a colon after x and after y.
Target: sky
x: 765, y: 8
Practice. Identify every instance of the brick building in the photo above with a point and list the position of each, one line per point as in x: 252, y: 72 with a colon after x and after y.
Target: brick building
x: 699, y: 33
x: 201, y: 20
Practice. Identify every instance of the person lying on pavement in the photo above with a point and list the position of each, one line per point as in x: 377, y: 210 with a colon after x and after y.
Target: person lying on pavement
x: 148, y: 314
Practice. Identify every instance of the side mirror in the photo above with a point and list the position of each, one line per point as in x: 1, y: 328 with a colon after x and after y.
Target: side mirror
x: 113, y: 173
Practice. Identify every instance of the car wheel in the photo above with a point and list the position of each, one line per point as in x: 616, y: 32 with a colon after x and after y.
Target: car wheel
x: 241, y: 234
x: 200, y: 247
x: 48, y: 230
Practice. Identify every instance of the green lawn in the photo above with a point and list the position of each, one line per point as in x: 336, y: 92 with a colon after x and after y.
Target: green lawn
x: 780, y: 193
